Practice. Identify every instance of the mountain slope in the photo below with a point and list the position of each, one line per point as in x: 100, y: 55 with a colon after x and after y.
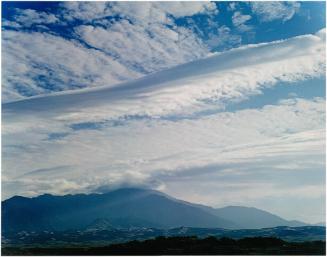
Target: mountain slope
x: 249, y: 217
x: 122, y: 208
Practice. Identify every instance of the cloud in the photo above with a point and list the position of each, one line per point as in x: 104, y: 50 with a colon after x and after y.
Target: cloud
x: 157, y: 131
x: 84, y: 10
x: 253, y: 145
x: 232, y: 6
x: 141, y: 39
x: 270, y: 11
x: 158, y: 47
x: 239, y: 21
x: 132, y: 38
x: 321, y: 34
x: 189, y: 88
x: 11, y: 24
x: 222, y: 37
x: 25, y: 18
x: 144, y: 12
x: 102, y: 50
x: 31, y: 67
x: 29, y: 17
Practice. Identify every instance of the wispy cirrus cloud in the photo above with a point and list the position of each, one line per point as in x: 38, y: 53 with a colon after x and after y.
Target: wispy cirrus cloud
x: 254, y: 146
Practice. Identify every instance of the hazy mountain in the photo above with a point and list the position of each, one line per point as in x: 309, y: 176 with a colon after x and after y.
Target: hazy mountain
x: 320, y: 224
x: 249, y: 217
x: 125, y: 208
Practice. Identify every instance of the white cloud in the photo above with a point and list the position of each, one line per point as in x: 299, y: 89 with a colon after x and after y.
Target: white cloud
x: 180, y: 9
x: 140, y: 12
x: 222, y: 37
x: 11, y: 24
x: 321, y: 34
x: 192, y: 87
x: 232, y: 6
x: 142, y: 41
x: 29, y: 17
x: 84, y: 10
x: 239, y: 21
x: 30, y: 68
x: 38, y: 63
x: 147, y: 49
x: 139, y: 43
x: 270, y: 11
x: 238, y: 18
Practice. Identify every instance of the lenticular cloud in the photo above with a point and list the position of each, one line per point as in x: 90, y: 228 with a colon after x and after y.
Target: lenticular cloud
x: 191, y: 87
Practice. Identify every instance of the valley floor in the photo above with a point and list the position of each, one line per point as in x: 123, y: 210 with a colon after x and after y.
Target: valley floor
x: 185, y: 246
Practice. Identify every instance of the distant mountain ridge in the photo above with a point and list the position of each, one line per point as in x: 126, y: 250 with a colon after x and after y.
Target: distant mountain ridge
x: 125, y: 208
x: 250, y: 217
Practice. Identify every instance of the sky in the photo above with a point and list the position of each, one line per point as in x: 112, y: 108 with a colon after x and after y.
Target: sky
x: 219, y: 103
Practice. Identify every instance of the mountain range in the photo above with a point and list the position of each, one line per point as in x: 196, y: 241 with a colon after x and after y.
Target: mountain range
x: 127, y: 208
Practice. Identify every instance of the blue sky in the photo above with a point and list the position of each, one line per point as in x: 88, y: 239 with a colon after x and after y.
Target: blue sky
x: 217, y: 103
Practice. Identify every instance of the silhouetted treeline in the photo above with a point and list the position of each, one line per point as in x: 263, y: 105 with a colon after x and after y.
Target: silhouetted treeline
x: 186, y: 246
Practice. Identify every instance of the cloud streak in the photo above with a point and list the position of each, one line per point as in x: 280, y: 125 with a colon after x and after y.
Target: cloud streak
x: 191, y: 87
x: 244, y: 150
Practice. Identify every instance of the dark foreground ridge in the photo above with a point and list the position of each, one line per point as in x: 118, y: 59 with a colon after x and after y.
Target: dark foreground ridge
x: 186, y: 246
